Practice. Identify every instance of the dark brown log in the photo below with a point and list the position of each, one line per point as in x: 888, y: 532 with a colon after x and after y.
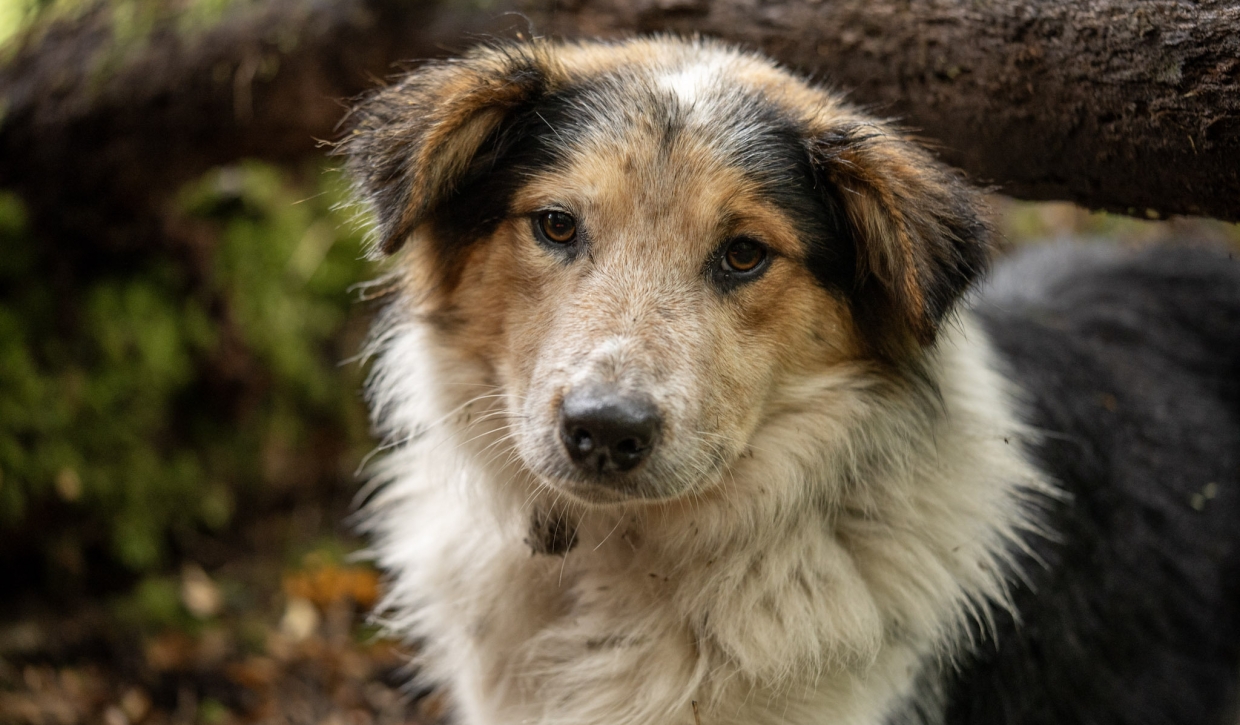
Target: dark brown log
x: 98, y: 130
x: 1128, y: 105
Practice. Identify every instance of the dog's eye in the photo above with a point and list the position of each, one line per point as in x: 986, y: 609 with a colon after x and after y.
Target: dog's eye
x: 557, y: 227
x: 738, y: 261
x: 743, y: 255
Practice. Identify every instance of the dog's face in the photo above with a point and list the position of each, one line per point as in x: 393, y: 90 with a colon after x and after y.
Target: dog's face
x: 642, y: 297
x: 644, y: 243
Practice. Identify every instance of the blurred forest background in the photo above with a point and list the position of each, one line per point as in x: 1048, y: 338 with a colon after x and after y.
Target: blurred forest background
x: 181, y: 422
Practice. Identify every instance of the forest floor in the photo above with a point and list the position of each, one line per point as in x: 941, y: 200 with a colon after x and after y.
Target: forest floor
x: 275, y: 629
x: 261, y: 639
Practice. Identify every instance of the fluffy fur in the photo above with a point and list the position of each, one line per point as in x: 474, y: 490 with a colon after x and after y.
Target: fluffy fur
x: 862, y: 505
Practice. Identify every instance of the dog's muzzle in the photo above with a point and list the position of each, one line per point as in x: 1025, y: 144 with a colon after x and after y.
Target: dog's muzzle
x: 606, y: 430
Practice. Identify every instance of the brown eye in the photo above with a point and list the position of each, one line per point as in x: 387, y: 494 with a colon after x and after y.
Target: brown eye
x: 743, y: 255
x: 557, y: 227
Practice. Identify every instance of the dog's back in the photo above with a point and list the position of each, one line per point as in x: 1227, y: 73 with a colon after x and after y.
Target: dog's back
x: 1132, y: 362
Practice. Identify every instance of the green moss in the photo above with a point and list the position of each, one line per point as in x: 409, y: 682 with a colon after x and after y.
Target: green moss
x: 19, y: 19
x: 131, y: 24
x: 213, y: 712
x: 153, y: 605
x: 202, y: 15
x: 14, y: 15
x: 119, y: 401
x: 1021, y: 222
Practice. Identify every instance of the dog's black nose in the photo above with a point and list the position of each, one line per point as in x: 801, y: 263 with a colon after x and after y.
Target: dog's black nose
x: 606, y: 430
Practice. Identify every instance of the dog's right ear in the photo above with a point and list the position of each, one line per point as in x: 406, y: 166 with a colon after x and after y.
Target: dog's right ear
x: 409, y: 144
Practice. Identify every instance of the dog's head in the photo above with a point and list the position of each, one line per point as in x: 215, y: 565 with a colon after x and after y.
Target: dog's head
x: 644, y: 241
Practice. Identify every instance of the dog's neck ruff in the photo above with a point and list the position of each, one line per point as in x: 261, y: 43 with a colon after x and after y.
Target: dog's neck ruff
x: 867, y: 531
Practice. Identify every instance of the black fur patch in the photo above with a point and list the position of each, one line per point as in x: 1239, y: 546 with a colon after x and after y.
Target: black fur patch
x: 1134, y: 368
x: 790, y: 180
x: 551, y: 533
x: 398, y: 137
x: 531, y: 139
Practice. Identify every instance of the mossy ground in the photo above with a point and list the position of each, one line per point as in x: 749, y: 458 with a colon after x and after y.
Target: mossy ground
x: 180, y: 429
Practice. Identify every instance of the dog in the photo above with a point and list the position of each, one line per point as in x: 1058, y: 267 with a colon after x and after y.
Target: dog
x: 694, y: 414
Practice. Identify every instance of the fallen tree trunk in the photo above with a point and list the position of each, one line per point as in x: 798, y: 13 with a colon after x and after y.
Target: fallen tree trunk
x: 100, y: 123
x: 1127, y: 105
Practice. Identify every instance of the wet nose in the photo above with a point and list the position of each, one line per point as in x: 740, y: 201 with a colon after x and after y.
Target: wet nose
x: 606, y: 430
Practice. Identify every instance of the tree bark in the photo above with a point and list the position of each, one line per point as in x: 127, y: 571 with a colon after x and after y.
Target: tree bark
x: 97, y: 129
x: 1127, y: 105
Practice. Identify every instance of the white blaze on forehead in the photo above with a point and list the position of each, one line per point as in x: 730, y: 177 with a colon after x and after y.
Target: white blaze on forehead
x: 702, y: 89
x: 691, y: 83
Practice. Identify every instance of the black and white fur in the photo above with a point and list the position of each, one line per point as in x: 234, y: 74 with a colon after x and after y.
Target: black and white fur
x: 1021, y: 510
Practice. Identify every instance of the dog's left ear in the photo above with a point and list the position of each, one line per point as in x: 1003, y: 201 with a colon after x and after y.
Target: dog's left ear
x: 409, y: 145
x: 918, y: 234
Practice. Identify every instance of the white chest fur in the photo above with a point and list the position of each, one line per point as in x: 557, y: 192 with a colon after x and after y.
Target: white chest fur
x: 858, y: 537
